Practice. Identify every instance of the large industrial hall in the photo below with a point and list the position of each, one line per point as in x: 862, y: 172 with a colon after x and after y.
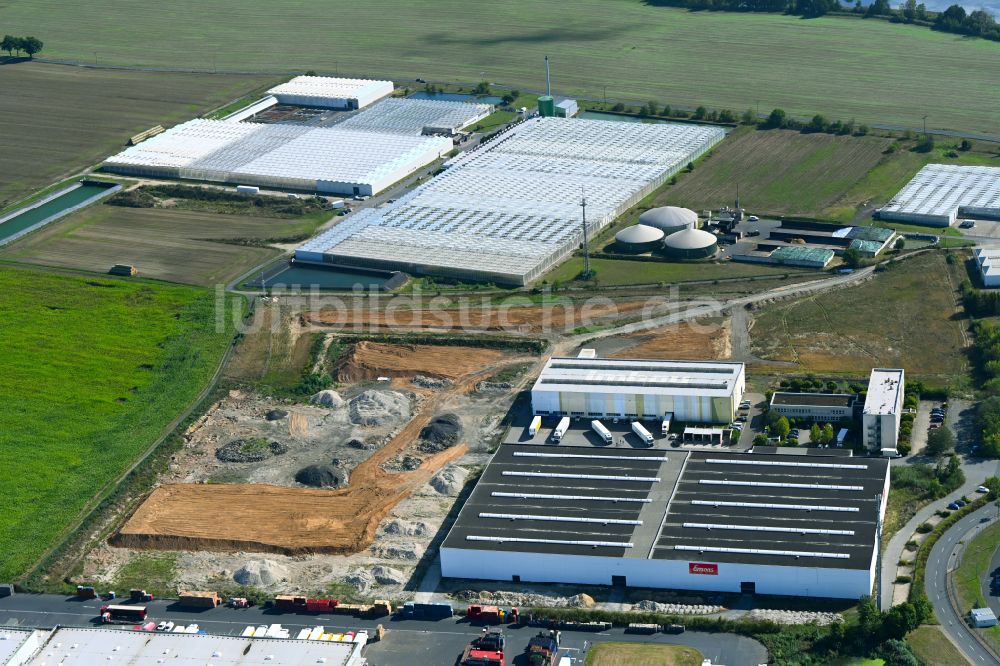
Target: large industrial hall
x: 510, y: 210
x: 797, y: 525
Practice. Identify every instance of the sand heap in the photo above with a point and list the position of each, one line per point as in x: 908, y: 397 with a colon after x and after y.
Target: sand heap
x: 260, y: 573
x: 379, y: 408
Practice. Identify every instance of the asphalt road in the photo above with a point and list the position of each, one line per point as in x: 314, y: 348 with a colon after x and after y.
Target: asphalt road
x: 407, y: 642
x: 943, y: 558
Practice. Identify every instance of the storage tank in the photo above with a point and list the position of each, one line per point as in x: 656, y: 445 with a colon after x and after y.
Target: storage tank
x: 638, y: 238
x: 670, y: 219
x: 691, y: 244
x: 546, y: 106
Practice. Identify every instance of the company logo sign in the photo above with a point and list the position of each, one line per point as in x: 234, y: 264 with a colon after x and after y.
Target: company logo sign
x: 703, y: 569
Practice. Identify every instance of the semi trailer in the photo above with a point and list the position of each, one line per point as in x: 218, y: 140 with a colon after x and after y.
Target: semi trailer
x: 601, y: 431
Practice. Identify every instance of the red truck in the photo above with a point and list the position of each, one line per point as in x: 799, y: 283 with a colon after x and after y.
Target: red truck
x: 117, y: 614
x: 492, y: 614
x: 293, y: 603
x: 543, y: 650
x: 476, y: 657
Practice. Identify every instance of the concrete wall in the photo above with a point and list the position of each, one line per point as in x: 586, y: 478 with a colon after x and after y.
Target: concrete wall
x: 670, y: 574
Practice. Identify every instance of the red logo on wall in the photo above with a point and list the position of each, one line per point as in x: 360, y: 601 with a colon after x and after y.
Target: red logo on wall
x: 703, y: 569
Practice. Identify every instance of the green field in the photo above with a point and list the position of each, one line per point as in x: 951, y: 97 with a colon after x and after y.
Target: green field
x: 632, y: 654
x: 900, y: 319
x: 616, y: 272
x: 94, y: 370
x: 872, y: 71
x: 187, y: 246
x: 933, y: 648
x: 63, y: 119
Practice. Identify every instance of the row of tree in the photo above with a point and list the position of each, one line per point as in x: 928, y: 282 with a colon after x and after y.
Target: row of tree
x: 978, y: 23
x: 19, y: 45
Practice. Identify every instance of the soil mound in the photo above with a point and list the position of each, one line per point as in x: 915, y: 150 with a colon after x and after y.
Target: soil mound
x: 249, y: 450
x: 360, y: 579
x: 441, y: 433
x: 320, y: 476
x: 327, y: 398
x: 388, y: 576
x: 379, y: 408
x: 258, y: 573
x: 449, y: 481
x: 406, y: 528
x: 276, y: 415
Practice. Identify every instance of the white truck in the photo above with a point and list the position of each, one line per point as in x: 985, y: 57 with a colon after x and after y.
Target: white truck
x: 665, y: 426
x: 534, y: 426
x: 561, y: 429
x: 642, y: 433
x: 601, y: 431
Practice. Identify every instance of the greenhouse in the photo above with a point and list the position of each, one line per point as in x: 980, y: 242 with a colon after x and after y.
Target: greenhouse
x: 315, y: 159
x: 331, y: 92
x: 509, y: 211
x: 417, y: 116
x: 939, y: 193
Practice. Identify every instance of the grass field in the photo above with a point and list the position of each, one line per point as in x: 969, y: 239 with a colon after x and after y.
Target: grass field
x: 900, y: 319
x: 63, y: 119
x: 631, y: 654
x: 975, y: 563
x: 192, y: 247
x: 933, y: 648
x: 94, y: 369
x: 869, y: 70
x: 615, y: 272
x: 783, y: 172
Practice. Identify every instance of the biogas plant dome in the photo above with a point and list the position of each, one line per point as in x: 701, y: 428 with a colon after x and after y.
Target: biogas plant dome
x: 669, y: 219
x: 638, y: 238
x: 691, y: 244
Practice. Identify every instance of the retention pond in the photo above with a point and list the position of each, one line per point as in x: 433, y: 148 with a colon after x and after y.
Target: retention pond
x: 52, y: 207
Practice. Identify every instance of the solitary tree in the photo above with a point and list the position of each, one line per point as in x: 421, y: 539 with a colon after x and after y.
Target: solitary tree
x: 782, y: 427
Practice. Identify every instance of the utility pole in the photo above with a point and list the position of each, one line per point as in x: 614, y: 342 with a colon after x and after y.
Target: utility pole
x: 925, y: 124
x: 548, y: 82
x: 586, y: 247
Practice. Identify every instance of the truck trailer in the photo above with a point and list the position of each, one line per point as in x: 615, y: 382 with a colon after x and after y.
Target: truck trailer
x: 534, y: 426
x: 642, y: 433
x: 561, y: 429
x: 199, y: 600
x: 601, y: 431
x: 118, y: 614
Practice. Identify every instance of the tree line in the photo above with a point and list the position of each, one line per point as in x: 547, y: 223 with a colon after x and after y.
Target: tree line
x: 28, y: 45
x: 955, y: 19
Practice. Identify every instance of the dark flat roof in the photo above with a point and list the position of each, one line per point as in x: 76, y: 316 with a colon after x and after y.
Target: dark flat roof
x: 793, y: 510
x: 813, y: 399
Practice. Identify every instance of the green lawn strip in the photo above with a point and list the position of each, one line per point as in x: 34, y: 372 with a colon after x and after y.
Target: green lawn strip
x: 150, y: 571
x: 615, y: 272
x: 99, y: 367
x: 924, y: 550
x: 933, y: 648
x: 976, y: 558
x: 632, y: 654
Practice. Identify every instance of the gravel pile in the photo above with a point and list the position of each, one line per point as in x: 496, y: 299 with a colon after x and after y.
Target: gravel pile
x: 493, y: 387
x: 388, y: 576
x: 379, y: 408
x: 406, y: 463
x: 327, y: 398
x: 360, y: 579
x: 321, y: 476
x: 249, y: 450
x: 430, y: 382
x: 406, y: 528
x: 507, y: 598
x: 677, y: 609
x: 580, y: 601
x: 450, y: 480
x: 441, y: 433
x: 402, y: 551
x: 276, y: 415
x: 794, y: 617
x: 260, y: 573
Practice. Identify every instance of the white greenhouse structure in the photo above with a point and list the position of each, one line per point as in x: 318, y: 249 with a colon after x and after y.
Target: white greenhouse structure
x: 417, y: 116
x: 331, y: 92
x: 315, y: 159
x: 940, y: 193
x: 509, y: 211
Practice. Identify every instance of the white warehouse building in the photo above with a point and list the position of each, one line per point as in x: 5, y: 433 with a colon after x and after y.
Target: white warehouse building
x: 988, y: 263
x: 693, y: 391
x: 883, y: 410
x: 940, y: 193
x: 283, y: 156
x: 797, y: 525
x: 331, y: 92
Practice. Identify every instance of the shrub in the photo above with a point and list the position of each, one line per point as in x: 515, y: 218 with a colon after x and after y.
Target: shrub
x: 902, y: 579
x: 924, y: 528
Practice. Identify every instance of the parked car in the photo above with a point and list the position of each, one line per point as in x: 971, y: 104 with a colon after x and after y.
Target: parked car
x: 742, y: 418
x: 982, y: 489
x: 954, y: 506
x: 753, y: 218
x: 166, y: 625
x: 960, y: 502
x: 967, y: 224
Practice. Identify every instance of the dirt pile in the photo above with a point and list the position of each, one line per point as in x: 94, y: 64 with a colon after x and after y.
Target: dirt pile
x: 424, y: 381
x: 249, y: 450
x: 327, y: 398
x: 361, y: 580
x: 493, y: 387
x: 379, y: 408
x: 676, y: 609
x: 403, y: 463
x: 450, y: 480
x: 580, y: 601
x: 321, y: 476
x: 260, y: 573
x: 402, y: 551
x: 794, y: 617
x: 441, y: 433
x: 384, y: 575
x: 276, y: 415
x: 368, y: 360
x: 402, y: 527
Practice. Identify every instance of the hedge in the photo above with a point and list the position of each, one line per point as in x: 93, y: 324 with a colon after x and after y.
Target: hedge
x: 924, y: 551
x: 531, y: 345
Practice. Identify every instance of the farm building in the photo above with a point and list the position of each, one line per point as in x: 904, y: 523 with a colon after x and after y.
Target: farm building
x: 638, y: 239
x: 70, y: 646
x: 940, y: 193
x: 691, y: 245
x: 669, y: 219
x: 988, y: 263
x: 799, y: 525
x: 509, y: 211
x: 883, y: 410
x: 827, y: 407
x: 330, y: 92
x: 694, y: 391
x: 283, y: 156
x: 416, y: 117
